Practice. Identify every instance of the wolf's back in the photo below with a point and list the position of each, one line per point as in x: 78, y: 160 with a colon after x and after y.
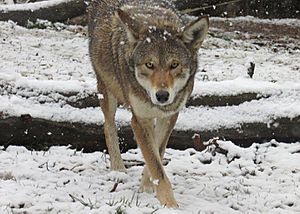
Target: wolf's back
x: 101, y: 10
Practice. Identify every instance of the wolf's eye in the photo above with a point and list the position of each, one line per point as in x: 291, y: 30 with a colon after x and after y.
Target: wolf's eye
x: 149, y: 65
x: 174, y: 65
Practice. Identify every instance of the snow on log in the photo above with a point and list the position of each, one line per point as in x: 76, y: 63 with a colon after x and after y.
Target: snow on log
x: 89, y: 98
x: 54, y: 11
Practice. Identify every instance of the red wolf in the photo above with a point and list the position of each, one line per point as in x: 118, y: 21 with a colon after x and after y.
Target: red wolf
x: 144, y: 54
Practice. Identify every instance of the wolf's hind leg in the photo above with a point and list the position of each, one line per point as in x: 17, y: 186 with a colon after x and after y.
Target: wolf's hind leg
x: 109, y: 106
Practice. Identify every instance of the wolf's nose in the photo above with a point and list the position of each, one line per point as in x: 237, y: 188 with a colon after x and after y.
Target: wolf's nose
x: 162, y: 96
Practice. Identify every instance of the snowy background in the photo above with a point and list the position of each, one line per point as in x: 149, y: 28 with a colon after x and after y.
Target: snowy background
x: 37, y: 67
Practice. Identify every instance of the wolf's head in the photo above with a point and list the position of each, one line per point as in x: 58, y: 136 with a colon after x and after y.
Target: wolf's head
x: 163, y: 58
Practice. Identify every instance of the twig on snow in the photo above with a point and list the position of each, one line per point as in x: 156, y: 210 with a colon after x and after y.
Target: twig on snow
x: 74, y: 198
x: 114, y: 187
x: 187, y: 11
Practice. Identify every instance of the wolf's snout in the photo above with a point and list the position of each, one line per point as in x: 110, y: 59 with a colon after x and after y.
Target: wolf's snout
x: 162, y: 96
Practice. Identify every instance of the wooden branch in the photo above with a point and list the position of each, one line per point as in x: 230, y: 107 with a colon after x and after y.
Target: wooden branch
x: 209, y: 6
x: 57, y: 11
x: 40, y: 134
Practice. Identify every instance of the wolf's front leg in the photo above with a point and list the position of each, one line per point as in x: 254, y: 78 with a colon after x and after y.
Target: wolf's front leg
x: 146, y: 184
x: 145, y: 137
x: 109, y: 107
x: 163, y: 130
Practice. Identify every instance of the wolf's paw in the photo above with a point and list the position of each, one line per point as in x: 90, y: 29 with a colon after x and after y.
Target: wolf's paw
x: 147, y: 187
x: 165, y: 195
x: 118, y: 166
x: 168, y: 200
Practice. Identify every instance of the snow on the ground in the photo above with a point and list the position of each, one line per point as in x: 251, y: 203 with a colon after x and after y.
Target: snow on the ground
x: 223, y: 60
x: 53, y: 63
x: 261, y: 179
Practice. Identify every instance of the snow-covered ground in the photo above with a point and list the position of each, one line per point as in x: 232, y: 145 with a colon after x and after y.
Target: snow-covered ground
x: 37, y: 67
x: 264, y: 178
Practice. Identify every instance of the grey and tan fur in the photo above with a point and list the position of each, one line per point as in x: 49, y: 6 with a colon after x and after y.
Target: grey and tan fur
x: 145, y: 57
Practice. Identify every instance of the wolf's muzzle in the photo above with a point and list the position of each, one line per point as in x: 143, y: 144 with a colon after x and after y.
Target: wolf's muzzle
x: 162, y: 96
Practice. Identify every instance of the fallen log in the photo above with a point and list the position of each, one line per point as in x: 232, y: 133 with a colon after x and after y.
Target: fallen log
x: 269, y: 30
x: 198, y: 100
x: 229, y: 100
x: 40, y: 134
x: 232, y: 8
x: 54, y: 11
x: 85, y: 100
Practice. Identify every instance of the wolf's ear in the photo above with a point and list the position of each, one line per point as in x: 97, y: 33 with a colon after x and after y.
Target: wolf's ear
x: 195, y: 32
x: 133, y: 27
